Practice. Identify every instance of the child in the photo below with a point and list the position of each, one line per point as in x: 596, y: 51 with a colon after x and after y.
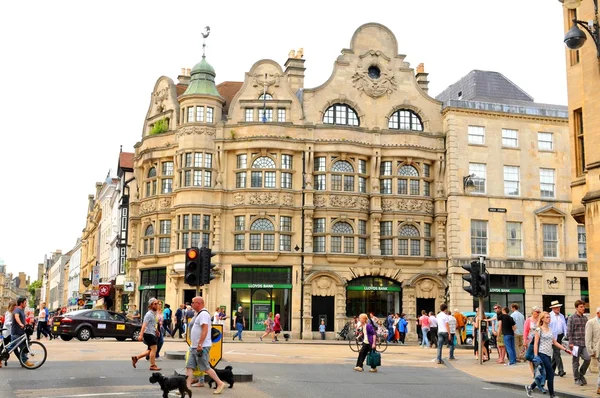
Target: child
x: 322, y: 329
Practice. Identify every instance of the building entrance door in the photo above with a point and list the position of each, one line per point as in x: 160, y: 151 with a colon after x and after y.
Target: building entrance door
x: 322, y: 309
x: 547, y: 300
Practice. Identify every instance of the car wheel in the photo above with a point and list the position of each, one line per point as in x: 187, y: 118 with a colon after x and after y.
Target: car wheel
x: 84, y: 334
x: 136, y: 335
x: 120, y: 338
x: 66, y: 338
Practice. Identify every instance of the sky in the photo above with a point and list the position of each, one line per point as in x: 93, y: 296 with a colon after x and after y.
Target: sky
x: 78, y: 75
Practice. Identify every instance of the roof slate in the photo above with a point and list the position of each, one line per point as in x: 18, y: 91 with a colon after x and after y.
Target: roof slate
x: 486, y: 86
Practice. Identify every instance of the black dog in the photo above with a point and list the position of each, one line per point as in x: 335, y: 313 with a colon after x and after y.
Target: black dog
x: 223, y: 374
x: 170, y: 383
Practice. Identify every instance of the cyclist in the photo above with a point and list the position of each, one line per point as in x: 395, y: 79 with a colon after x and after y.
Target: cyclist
x: 18, y: 326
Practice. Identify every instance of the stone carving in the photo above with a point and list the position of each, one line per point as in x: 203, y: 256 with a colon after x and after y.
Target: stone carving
x: 320, y: 201
x: 164, y: 203
x: 266, y: 79
x: 160, y: 97
x: 263, y: 198
x: 363, y: 203
x: 441, y: 236
x: 238, y: 199
x: 343, y: 201
x: 374, y: 87
x: 188, y: 130
x: 148, y: 206
x: 323, y: 286
x: 387, y: 204
x: 409, y: 205
x: 287, y: 200
x: 427, y: 289
x: 428, y: 207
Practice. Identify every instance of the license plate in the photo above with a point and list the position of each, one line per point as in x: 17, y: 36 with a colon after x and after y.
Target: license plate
x: 56, y: 323
x: 120, y: 327
x: 55, y: 328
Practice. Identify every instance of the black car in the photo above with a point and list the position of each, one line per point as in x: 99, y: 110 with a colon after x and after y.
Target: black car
x: 85, y: 324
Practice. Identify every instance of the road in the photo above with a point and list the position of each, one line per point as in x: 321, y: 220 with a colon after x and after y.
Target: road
x: 102, y: 368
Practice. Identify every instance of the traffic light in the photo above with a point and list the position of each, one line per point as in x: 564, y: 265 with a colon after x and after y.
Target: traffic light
x: 193, y: 270
x: 473, y: 277
x: 206, y: 275
x: 484, y: 281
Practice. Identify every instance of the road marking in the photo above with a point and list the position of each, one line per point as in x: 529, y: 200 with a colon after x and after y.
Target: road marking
x: 104, y: 394
x: 103, y: 377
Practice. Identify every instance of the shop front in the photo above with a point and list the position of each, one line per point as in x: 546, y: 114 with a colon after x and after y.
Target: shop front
x: 260, y: 290
x: 373, y: 294
x: 152, y: 284
x: 504, y: 290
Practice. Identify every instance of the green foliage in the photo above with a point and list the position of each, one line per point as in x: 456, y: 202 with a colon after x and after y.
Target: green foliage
x: 160, y: 127
x: 33, y: 286
x: 232, y: 133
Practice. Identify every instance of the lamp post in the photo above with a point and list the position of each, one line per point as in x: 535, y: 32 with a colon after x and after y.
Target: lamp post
x: 575, y: 38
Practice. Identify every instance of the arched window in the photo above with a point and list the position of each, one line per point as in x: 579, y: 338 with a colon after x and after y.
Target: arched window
x: 151, y: 182
x: 266, y: 96
x: 342, y: 232
x: 404, y: 119
x: 269, y: 177
x: 342, y: 171
x: 409, y: 181
x: 149, y: 240
x: 409, y: 241
x: 341, y: 114
x: 262, y: 236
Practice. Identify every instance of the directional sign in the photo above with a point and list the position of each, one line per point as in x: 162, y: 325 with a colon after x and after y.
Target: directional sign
x: 95, y: 275
x: 216, y: 350
x: 94, y: 295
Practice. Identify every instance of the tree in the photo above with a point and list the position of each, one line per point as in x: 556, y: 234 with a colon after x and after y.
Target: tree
x: 32, y: 288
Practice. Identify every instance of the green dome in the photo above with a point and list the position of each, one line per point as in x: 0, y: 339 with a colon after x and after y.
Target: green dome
x: 202, y: 80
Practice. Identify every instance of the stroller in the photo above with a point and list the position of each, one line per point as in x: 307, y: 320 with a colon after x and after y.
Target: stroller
x: 344, y: 334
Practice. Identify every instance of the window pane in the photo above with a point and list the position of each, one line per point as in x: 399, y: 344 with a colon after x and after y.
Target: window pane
x: 240, y: 242
x: 164, y: 245
x: 427, y: 245
x: 509, y: 138
x: 167, y: 168
x: 256, y: 179
x: 545, y: 141
x: 479, y: 169
x: 270, y: 179
x: 386, y: 247
x: 348, y: 183
x: 286, y: 180
x: 207, y: 178
x: 386, y: 168
x: 165, y: 227
x: 320, y: 164
x: 197, y: 178
x: 285, y: 243
x: 195, y: 239
x: 167, y: 185
x: 362, y: 185
x: 240, y: 223
x: 402, y: 187
x: 362, y: 246
x: 403, y: 247
x: 281, y: 115
x: 386, y: 186
x: 581, y: 240
x: 476, y: 135
x: 285, y: 224
x: 362, y: 166
x: 415, y: 247
x: 242, y: 161
x: 255, y: 242
x: 336, y: 244
x: 319, y: 225
x: 208, y: 160
x: 511, y: 180
x: 547, y: 183
x: 513, y: 239
x: 249, y: 115
x: 206, y: 223
x: 198, y: 159
x: 240, y: 180
x: 199, y: 113
x: 319, y: 244
x: 414, y: 187
x: 195, y: 221
x: 550, y: 232
x: 209, y: 115
x: 348, y: 244
x: 362, y: 227
x: 269, y: 242
x: 286, y: 162
x: 320, y: 182
x: 264, y: 162
x: 478, y: 237
x: 336, y: 182
x: 385, y: 228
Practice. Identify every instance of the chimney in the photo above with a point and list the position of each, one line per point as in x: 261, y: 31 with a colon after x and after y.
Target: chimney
x: 184, y: 77
x: 294, y: 69
x: 98, y: 189
x: 422, y: 77
x: 90, y: 203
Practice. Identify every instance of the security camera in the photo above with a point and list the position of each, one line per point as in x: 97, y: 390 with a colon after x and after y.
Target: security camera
x: 575, y: 38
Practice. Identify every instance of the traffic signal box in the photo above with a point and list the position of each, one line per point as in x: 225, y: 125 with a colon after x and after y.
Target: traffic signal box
x: 206, y: 275
x: 478, y: 278
x: 193, y: 270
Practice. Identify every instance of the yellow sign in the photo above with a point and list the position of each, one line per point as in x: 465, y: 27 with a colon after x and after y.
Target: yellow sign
x: 55, y: 328
x: 216, y: 350
x: 120, y: 327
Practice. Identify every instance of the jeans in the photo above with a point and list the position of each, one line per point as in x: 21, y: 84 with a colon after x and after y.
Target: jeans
x: 240, y: 329
x: 442, y: 339
x: 549, y: 373
x: 451, y: 345
x: 364, y: 350
x: 178, y: 328
x: 577, y: 371
x: 13, y: 339
x: 509, y: 344
x: 390, y: 334
x: 161, y: 341
x: 42, y: 328
x: 556, y: 358
x: 425, y: 342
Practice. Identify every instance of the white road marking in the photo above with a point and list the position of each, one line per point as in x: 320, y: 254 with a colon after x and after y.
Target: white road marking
x: 104, y: 394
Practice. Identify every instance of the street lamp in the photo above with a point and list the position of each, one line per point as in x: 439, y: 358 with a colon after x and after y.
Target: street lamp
x: 575, y: 37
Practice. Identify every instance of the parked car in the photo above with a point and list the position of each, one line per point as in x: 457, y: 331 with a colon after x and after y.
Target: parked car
x: 469, y: 327
x: 85, y: 324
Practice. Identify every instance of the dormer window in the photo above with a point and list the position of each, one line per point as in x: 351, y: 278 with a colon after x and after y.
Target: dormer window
x: 341, y: 114
x: 404, y: 119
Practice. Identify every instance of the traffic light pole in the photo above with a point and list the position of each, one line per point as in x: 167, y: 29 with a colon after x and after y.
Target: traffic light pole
x: 481, y: 321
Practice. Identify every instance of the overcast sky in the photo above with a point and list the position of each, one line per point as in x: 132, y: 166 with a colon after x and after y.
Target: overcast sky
x: 77, y: 78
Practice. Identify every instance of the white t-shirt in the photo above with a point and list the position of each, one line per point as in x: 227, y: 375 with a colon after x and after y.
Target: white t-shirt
x: 216, y: 319
x: 433, y: 322
x: 203, y: 318
x: 442, y: 321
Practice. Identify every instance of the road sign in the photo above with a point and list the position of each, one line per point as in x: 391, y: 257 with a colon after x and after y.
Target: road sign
x: 94, y: 295
x: 496, y: 210
x: 216, y: 350
x: 95, y: 275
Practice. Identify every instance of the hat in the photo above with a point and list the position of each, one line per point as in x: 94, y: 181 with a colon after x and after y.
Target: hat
x: 535, y: 308
x: 456, y: 310
x: 153, y: 299
x: 555, y: 304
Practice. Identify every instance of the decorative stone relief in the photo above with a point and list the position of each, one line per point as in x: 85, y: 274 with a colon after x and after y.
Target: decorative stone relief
x: 375, y: 87
x: 263, y: 198
x: 238, y: 199
x: 217, y: 235
x: 427, y: 288
x: 188, y: 130
x: 148, y: 206
x: 164, y: 203
x: 387, y: 204
x: 415, y: 205
x: 409, y: 205
x: 323, y: 286
x: 287, y: 200
x: 441, y: 236
x: 343, y: 201
x: 266, y: 79
x: 160, y: 97
x: 363, y: 203
x: 320, y: 201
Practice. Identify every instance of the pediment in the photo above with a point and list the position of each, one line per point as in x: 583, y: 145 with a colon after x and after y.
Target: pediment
x: 550, y: 211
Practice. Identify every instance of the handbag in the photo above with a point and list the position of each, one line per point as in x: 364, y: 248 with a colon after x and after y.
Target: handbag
x: 530, y: 352
x: 373, y: 359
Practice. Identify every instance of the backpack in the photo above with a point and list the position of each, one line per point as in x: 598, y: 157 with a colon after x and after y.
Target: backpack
x: 168, y: 313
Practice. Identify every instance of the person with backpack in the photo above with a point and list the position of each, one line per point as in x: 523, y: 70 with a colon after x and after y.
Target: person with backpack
x: 168, y: 320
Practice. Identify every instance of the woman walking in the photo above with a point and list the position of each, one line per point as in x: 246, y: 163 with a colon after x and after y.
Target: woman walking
x: 367, y: 331
x: 277, y: 326
x: 542, y: 347
x: 529, y: 333
x: 8, y: 321
x: 269, y: 324
x: 424, y: 322
x: 160, y: 327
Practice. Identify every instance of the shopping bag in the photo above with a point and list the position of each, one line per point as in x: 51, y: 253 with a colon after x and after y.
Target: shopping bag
x: 197, y: 372
x: 374, y: 359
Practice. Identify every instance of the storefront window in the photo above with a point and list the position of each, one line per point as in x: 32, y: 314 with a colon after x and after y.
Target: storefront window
x: 372, y: 294
x: 504, y: 290
x: 152, y: 284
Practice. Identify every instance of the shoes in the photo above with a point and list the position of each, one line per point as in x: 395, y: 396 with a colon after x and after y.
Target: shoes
x: 134, y: 361
x: 440, y: 362
x: 219, y: 389
x: 154, y: 367
x: 562, y: 374
x: 452, y: 359
x: 260, y: 338
x: 529, y: 391
x: 29, y: 364
x: 583, y: 380
x: 598, y: 391
x: 373, y: 370
x: 358, y: 368
x: 578, y: 382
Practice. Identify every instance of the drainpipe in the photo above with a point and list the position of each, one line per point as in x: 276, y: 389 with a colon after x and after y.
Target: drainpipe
x: 302, y: 248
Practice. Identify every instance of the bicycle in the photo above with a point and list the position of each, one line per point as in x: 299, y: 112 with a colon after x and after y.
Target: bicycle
x: 381, y: 343
x: 32, y: 354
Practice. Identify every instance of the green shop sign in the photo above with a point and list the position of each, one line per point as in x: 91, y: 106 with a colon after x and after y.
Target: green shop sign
x: 503, y: 290
x: 375, y: 288
x: 148, y: 287
x: 259, y: 286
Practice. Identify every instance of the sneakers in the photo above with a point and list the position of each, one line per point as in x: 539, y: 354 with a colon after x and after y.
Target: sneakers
x: 562, y: 374
x: 529, y: 391
x: 358, y: 368
x: 373, y: 370
x: 583, y: 380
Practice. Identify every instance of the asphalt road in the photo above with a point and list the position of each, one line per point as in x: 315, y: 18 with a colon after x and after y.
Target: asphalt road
x: 80, y: 379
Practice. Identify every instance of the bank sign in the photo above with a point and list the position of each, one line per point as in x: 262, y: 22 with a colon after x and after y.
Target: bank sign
x: 375, y: 288
x: 259, y: 286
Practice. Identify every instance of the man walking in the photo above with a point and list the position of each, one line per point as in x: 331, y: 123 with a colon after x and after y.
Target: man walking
x: 507, y: 325
x: 461, y: 321
x: 558, y: 325
x: 576, y: 333
x: 18, y: 326
x: 520, y: 324
x: 201, y: 342
x: 179, y: 321
x: 149, y: 335
x: 442, y: 331
x: 592, y: 340
x: 452, y: 333
x: 168, y: 320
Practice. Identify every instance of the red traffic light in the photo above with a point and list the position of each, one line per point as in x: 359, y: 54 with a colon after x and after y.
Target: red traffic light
x: 192, y: 254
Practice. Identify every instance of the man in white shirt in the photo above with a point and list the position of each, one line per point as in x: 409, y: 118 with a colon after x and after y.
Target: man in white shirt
x: 200, y: 345
x: 558, y: 325
x: 442, y: 327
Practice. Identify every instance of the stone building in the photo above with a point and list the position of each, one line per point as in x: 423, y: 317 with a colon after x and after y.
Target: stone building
x: 325, y: 202
x: 583, y: 84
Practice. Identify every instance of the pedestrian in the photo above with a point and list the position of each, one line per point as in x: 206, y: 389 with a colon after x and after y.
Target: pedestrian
x: 18, y: 326
x: 7, y: 324
x: 592, y: 341
x: 461, y: 321
x: 528, y: 334
x: 442, y: 331
x: 168, y: 320
x: 424, y: 323
x: 402, y: 328
x: 179, y: 321
x: 240, y: 323
x: 396, y: 338
x: 216, y: 320
x: 433, y: 329
x: 136, y: 313
x: 201, y: 341
x: 42, y: 324
x: 149, y: 335
x: 367, y: 334
x: 452, y: 335
x: 322, y: 329
x: 161, y: 329
x: 576, y: 333
x: 269, y: 324
x: 389, y: 324
x: 277, y: 326
x: 558, y: 325
x: 542, y: 347
x: 485, y: 342
x: 507, y: 325
x: 519, y: 322
x: 222, y: 315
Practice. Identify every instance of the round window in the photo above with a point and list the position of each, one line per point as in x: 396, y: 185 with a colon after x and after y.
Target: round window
x: 374, y: 72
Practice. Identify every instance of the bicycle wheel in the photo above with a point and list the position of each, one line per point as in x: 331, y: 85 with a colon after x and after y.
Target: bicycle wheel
x: 33, y: 357
x: 382, y: 344
x: 354, y: 346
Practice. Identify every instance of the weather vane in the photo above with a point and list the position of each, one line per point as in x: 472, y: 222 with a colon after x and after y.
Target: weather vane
x: 205, y: 34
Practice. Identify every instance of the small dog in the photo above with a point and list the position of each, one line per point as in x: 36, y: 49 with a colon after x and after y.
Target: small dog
x: 171, y: 383
x: 225, y: 375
